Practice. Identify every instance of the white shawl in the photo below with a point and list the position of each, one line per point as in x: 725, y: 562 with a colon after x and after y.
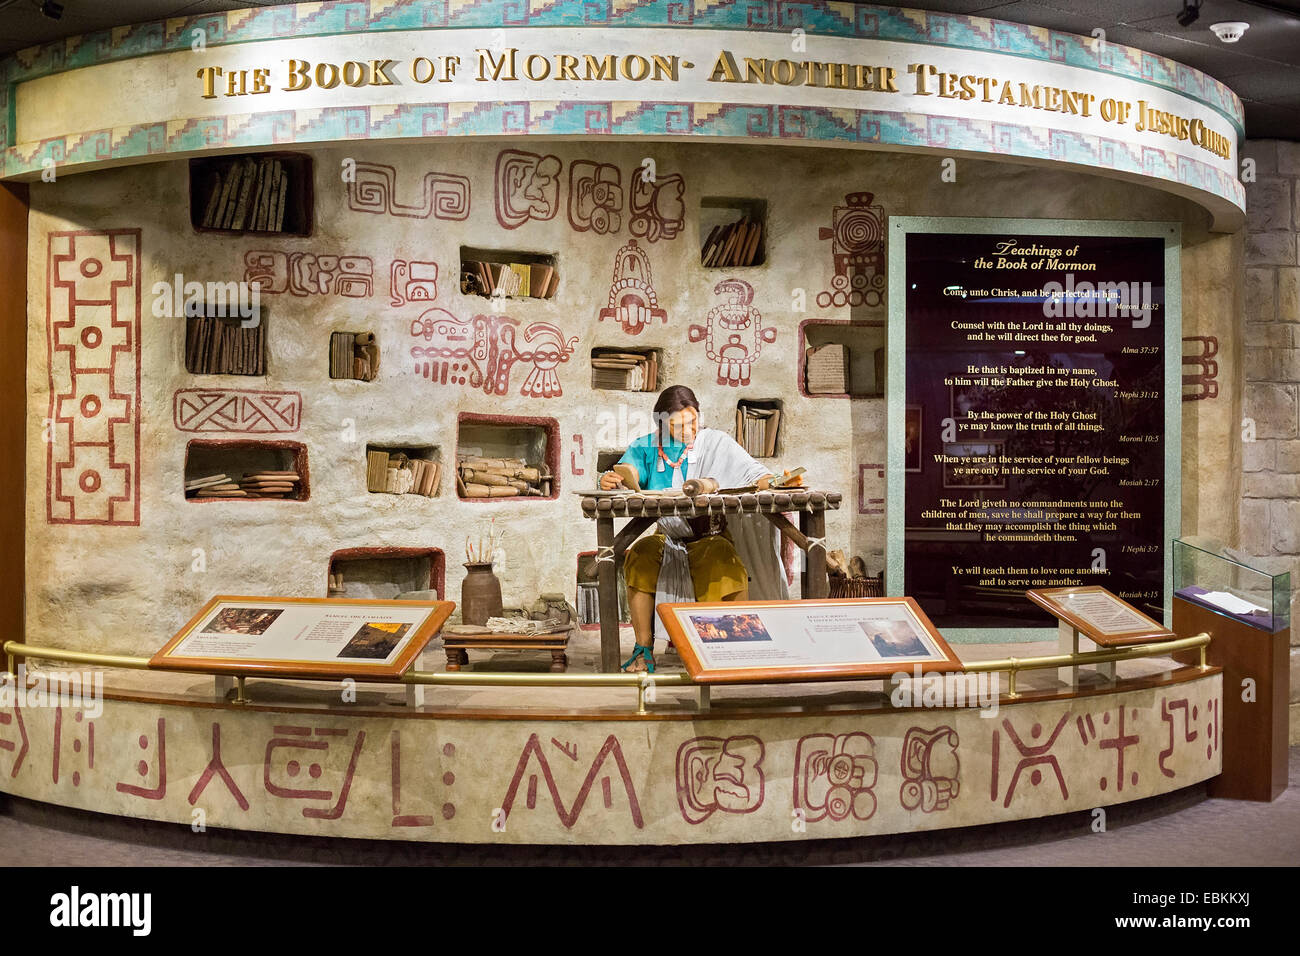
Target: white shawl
x: 715, y: 454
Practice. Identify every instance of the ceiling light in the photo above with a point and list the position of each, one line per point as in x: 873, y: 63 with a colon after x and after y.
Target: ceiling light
x: 1229, y: 32
x: 1191, y: 10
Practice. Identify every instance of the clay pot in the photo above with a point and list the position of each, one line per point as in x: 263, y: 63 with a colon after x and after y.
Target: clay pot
x: 480, y: 594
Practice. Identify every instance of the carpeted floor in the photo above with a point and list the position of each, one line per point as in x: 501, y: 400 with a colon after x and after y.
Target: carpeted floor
x: 1181, y: 829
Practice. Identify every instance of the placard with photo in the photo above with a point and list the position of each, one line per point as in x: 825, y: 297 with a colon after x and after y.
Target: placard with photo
x: 737, y: 641
x: 304, y: 637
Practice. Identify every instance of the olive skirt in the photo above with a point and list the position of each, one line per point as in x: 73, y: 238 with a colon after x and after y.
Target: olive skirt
x: 716, y: 568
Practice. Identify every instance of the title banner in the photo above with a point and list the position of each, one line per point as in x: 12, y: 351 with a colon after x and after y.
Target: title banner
x: 788, y: 85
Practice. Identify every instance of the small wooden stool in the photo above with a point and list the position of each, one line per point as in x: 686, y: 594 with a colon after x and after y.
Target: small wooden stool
x: 457, y: 645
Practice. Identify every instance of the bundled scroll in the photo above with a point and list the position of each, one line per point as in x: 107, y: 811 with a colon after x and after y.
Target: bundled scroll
x: 501, y: 478
x: 395, y: 473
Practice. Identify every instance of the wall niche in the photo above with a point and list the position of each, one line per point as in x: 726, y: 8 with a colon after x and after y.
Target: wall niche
x: 217, y: 343
x: 503, y: 457
x: 841, y: 359
x: 404, y: 469
x: 354, y: 356
x: 619, y: 369
x: 246, y: 471
x: 758, y: 425
x: 262, y: 193
x: 384, y: 573
x: 733, y: 232
x: 505, y: 273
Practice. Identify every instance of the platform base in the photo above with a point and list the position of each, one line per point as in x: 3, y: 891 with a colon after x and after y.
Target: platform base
x: 725, y: 776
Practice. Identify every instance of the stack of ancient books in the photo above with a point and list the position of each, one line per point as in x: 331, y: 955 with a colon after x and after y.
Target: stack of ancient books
x: 756, y: 429
x: 826, y: 370
x: 588, y: 603
x: 219, y: 346
x: 354, y: 355
x: 511, y: 279
x: 736, y: 244
x: 501, y: 478
x: 247, y: 194
x: 625, y: 371
x: 395, y: 473
x: 256, y: 484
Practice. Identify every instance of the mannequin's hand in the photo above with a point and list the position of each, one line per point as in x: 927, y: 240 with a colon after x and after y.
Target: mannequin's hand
x: 610, y: 480
x: 788, y: 482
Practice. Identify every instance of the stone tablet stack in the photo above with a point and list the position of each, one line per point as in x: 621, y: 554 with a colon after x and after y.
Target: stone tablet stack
x: 259, y: 484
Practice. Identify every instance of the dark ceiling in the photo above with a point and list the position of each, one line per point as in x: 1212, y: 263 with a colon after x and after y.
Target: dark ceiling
x: 1263, y: 68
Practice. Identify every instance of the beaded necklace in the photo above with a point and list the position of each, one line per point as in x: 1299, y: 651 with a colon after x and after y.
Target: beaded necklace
x: 678, y: 463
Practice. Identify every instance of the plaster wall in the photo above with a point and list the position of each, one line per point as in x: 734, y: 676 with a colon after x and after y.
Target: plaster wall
x: 126, y: 587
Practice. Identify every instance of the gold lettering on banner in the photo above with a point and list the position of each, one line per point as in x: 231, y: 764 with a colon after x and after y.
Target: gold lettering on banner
x: 566, y: 67
x: 423, y: 70
x: 535, y: 72
x: 665, y: 67
x: 209, y: 74
x: 512, y: 65
x: 635, y: 67
x: 604, y: 69
x: 298, y: 78
x: 505, y: 64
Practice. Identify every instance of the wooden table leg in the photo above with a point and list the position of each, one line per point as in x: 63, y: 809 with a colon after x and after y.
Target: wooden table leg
x: 607, y: 592
x: 453, y: 659
x: 559, y: 662
x: 815, y: 583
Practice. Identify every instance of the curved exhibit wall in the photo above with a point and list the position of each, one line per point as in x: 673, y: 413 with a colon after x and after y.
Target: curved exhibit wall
x: 850, y: 75
x: 740, y: 778
x: 118, y: 558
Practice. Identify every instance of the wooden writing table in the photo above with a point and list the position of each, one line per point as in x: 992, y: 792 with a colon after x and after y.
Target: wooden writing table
x: 644, y: 510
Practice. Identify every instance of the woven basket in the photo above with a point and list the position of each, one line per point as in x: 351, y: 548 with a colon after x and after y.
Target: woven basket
x: 841, y: 587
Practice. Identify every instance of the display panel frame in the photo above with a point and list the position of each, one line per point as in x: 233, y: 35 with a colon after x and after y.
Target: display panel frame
x: 409, y: 643
x: 900, y: 228
x: 1051, y: 599
x: 685, y: 635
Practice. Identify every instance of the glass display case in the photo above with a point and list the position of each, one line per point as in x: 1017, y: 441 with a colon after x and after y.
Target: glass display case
x: 1218, y: 578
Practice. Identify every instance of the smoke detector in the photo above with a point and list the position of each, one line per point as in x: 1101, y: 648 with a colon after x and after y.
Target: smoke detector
x: 1229, y: 32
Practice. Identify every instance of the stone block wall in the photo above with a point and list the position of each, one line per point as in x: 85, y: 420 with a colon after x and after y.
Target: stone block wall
x: 1270, y: 490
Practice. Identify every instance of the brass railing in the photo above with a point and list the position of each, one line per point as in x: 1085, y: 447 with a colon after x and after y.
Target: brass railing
x: 642, y: 682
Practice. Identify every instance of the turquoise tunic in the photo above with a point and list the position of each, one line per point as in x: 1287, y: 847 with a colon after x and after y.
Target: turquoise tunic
x: 716, y: 569
x: 643, y: 454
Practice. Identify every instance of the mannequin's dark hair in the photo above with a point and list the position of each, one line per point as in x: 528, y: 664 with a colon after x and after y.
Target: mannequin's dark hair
x: 672, y: 399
